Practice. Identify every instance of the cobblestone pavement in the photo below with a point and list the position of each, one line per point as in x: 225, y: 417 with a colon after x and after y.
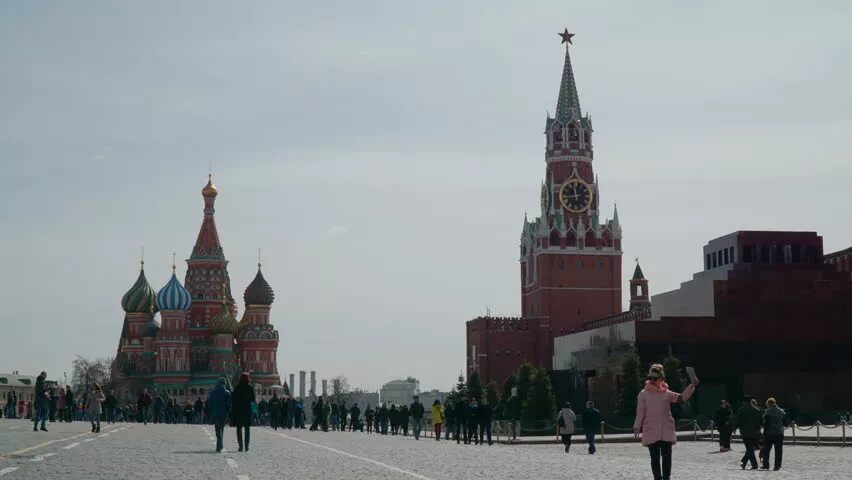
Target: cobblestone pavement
x: 121, y: 451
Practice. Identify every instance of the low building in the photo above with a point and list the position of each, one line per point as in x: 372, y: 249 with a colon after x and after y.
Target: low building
x: 363, y: 399
x: 767, y: 316
x: 400, y: 392
x: 22, y: 385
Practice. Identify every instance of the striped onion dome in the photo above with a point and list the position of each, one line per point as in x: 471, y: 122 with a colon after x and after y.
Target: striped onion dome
x: 141, y: 297
x: 223, y: 322
x: 259, y: 292
x: 173, y: 296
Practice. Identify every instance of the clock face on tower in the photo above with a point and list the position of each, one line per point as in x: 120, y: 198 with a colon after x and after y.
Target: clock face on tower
x: 575, y: 195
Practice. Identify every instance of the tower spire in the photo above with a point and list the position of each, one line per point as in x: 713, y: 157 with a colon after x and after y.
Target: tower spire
x: 207, y: 245
x: 568, y: 103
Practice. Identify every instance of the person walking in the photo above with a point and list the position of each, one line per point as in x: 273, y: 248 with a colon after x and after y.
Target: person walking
x: 565, y: 420
x: 384, y: 418
x: 275, y: 411
x: 460, y: 416
x: 70, y: 404
x: 143, y: 403
x: 655, y: 422
x: 159, y: 405
x: 109, y: 405
x: 42, y: 399
x: 219, y: 402
x: 404, y: 419
x: 94, y: 407
x: 52, y: 403
x: 748, y: 420
x: 369, y: 418
x: 722, y: 420
x: 342, y: 411
x: 335, y: 416
x: 774, y: 421
x: 60, y: 405
x: 417, y: 412
x: 355, y: 418
x: 591, y: 424
x: 472, y: 422
x: 241, y: 402
x: 437, y: 418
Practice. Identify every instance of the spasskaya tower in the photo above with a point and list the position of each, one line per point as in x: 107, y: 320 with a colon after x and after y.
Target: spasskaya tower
x: 570, y: 257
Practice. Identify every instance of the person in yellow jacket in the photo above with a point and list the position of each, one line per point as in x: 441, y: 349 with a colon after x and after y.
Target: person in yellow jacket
x: 437, y: 418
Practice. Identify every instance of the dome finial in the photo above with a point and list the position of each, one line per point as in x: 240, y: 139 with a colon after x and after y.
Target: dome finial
x: 142, y: 258
x: 209, y: 190
x: 258, y: 259
x: 174, y: 255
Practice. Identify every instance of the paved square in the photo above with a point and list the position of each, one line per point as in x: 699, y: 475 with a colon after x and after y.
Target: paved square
x: 70, y: 451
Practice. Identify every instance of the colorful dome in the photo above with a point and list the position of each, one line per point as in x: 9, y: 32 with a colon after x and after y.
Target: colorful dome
x: 141, y: 297
x: 173, y: 296
x: 259, y: 292
x: 209, y: 190
x: 223, y: 322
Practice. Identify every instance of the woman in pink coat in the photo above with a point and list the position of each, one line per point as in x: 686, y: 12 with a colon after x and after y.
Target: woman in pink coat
x: 655, y: 422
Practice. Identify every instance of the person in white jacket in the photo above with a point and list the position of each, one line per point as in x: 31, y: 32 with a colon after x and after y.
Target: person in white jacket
x: 565, y: 424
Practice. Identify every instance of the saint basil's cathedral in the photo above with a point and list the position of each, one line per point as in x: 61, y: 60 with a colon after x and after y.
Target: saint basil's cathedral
x: 198, y: 338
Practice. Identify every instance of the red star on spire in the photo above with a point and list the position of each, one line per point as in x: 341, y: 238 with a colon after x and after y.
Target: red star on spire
x: 566, y: 37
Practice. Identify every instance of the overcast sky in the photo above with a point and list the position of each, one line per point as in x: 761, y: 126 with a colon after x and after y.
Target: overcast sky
x: 382, y: 154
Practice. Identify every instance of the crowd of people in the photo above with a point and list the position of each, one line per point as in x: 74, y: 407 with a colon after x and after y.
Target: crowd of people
x: 463, y: 419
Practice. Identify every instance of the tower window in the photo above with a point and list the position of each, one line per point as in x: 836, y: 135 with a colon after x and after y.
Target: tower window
x: 726, y: 256
x: 707, y: 262
x: 715, y: 259
x: 638, y: 290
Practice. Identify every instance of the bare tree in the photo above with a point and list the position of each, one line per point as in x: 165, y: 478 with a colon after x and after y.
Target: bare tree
x: 339, y: 387
x: 86, y: 372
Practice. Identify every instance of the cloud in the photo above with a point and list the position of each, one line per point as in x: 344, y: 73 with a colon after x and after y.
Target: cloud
x: 338, y: 230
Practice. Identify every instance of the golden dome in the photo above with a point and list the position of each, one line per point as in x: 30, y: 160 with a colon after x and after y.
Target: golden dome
x: 209, y: 190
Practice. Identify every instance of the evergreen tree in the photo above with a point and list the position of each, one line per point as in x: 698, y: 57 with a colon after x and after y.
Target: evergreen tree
x: 511, y: 382
x: 674, y: 376
x: 474, y: 386
x: 461, y: 388
x: 525, y: 375
x: 630, y: 384
x: 540, y: 403
x: 492, y: 395
x: 286, y: 389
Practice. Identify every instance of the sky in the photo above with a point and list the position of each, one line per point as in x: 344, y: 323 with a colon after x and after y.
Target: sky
x: 382, y: 155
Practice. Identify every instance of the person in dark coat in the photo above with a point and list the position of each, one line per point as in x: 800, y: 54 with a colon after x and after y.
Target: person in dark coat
x: 241, y: 402
x: 143, y: 404
x: 591, y: 424
x: 460, y: 411
x: 449, y: 419
x: 275, y: 410
x: 369, y: 418
x: 159, y: 405
x: 342, y: 410
x: 219, y: 402
x: 42, y: 400
x: 774, y: 421
x: 417, y: 412
x: 70, y: 404
x: 355, y: 418
x: 722, y: 419
x: 748, y: 420
x: 383, y: 417
x: 404, y: 418
x: 472, y: 422
x: 109, y: 406
x: 484, y: 414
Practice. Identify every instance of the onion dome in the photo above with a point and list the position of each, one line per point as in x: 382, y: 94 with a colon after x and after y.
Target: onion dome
x: 223, y: 322
x: 151, y: 328
x: 173, y: 296
x: 258, y: 292
x: 209, y: 190
x: 141, y: 297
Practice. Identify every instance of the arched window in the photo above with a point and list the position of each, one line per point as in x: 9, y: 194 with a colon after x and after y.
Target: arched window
x: 591, y: 241
x: 573, y: 133
x: 606, y: 239
x: 587, y: 138
x: 571, y: 240
x: 555, y: 239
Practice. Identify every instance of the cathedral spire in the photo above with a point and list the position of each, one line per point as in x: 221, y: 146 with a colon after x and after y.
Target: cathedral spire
x: 568, y: 104
x: 207, y: 245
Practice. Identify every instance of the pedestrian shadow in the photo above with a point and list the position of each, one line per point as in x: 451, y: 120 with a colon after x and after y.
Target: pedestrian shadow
x: 210, y: 452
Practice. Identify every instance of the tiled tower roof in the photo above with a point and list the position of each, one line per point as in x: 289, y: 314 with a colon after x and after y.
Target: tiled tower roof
x: 207, y: 245
x: 568, y: 104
